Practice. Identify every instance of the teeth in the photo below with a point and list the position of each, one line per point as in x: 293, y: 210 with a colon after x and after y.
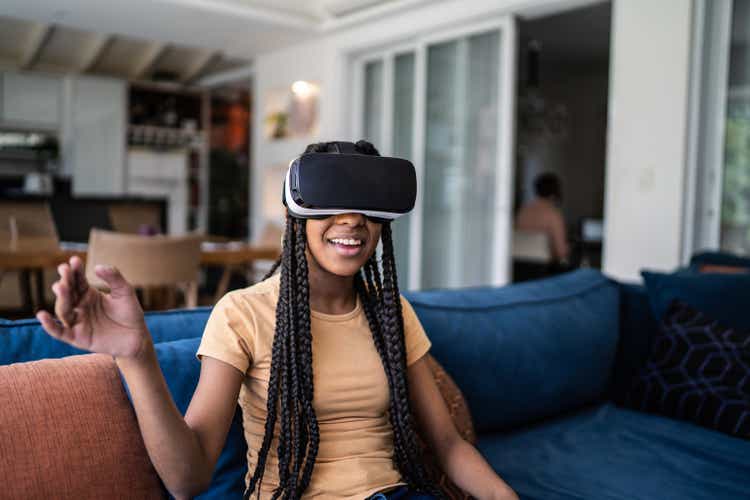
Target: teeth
x: 343, y: 241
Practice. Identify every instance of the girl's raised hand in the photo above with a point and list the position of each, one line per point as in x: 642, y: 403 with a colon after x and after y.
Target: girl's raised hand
x: 110, y: 323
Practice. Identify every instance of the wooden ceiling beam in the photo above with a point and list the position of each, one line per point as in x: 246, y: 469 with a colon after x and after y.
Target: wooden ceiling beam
x: 38, y: 36
x: 93, y: 51
x: 198, y: 65
x: 148, y: 59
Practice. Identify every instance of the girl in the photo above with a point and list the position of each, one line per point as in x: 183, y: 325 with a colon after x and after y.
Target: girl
x: 326, y: 361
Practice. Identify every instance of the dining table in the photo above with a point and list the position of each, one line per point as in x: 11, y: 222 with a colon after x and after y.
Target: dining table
x: 31, y: 257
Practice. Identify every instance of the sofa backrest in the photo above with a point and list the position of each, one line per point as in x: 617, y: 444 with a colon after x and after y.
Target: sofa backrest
x: 525, y: 352
x: 25, y: 340
x: 67, y: 431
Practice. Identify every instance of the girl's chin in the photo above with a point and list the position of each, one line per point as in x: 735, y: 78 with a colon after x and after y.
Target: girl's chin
x: 345, y: 269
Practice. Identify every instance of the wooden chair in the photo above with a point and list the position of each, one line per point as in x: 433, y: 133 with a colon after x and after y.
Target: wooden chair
x: 148, y: 262
x: 130, y: 217
x: 27, y: 226
x: 271, y: 236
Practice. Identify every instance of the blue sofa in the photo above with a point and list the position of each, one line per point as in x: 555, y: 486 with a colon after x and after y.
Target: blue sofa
x: 542, y: 365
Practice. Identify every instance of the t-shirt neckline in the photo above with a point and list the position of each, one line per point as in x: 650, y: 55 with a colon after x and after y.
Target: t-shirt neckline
x: 336, y: 318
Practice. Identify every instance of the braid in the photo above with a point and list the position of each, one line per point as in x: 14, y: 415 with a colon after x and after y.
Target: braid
x: 312, y: 432
x: 273, y: 269
x: 393, y: 328
x: 276, y: 359
x: 290, y: 387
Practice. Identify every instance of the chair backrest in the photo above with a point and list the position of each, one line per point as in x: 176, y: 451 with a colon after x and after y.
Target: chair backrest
x: 271, y: 235
x: 27, y: 225
x: 145, y: 260
x: 130, y: 217
x: 531, y: 246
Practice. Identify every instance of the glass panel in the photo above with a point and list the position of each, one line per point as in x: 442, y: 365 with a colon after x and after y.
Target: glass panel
x: 460, y: 161
x: 373, y: 108
x: 403, y: 121
x: 735, y: 206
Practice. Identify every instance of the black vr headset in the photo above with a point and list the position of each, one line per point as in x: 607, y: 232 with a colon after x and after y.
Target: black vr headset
x: 319, y: 185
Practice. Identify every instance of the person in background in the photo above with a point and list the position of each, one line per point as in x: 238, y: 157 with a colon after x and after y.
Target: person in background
x: 543, y: 214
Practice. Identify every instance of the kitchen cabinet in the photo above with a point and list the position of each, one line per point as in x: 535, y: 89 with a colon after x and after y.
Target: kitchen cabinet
x: 30, y: 100
x: 97, y: 136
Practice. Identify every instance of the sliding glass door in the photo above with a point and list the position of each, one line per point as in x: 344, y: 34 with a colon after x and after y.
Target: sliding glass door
x: 446, y: 103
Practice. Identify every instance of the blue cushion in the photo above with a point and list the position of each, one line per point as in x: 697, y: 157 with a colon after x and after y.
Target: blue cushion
x: 724, y: 297
x: 181, y: 370
x: 608, y: 452
x: 718, y: 259
x: 25, y: 340
x: 525, y: 351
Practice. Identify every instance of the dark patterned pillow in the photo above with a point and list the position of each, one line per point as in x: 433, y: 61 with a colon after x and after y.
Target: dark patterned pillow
x: 698, y: 370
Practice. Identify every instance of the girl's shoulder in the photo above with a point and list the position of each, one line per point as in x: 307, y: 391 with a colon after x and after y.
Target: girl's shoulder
x: 269, y: 286
x: 262, y: 294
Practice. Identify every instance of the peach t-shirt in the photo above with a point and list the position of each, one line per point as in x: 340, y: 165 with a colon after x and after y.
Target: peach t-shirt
x: 351, y: 394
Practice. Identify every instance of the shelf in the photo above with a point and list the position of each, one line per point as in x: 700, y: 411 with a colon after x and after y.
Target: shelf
x: 155, y: 137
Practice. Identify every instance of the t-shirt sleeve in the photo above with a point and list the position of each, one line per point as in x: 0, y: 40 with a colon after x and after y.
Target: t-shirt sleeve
x: 415, y: 338
x: 229, y: 334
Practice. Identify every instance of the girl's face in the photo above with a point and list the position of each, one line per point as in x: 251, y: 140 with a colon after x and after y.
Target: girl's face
x: 342, y: 244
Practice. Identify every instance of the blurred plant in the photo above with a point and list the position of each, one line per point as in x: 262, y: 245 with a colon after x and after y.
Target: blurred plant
x: 735, y: 209
x: 278, y: 122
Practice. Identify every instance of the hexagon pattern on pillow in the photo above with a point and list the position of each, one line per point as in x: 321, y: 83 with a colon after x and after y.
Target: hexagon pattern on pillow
x: 698, y: 370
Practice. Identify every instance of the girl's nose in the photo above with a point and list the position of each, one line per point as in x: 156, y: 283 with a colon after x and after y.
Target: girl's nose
x: 350, y: 219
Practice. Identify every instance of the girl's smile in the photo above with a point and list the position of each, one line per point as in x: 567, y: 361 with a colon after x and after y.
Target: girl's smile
x: 347, y: 246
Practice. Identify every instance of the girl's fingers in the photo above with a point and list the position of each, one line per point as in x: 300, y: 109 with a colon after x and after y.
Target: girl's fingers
x: 64, y: 271
x: 79, y: 275
x: 51, y: 326
x: 63, y: 304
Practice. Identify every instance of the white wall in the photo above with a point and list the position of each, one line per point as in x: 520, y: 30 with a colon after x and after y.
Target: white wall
x: 648, y: 104
x: 648, y: 110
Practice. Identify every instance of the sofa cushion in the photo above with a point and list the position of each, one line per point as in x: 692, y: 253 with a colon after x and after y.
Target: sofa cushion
x: 526, y: 351
x: 609, y: 452
x: 723, y: 297
x: 67, y: 431
x: 25, y: 340
x: 698, y: 370
x: 181, y: 371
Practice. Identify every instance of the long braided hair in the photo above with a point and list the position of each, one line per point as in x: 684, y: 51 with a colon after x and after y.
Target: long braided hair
x: 290, y: 387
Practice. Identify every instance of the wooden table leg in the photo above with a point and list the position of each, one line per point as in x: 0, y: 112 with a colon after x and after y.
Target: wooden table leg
x: 24, y: 283
x: 40, y: 300
x: 223, y: 285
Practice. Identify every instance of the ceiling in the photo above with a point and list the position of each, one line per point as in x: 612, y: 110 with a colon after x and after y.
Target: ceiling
x: 184, y: 41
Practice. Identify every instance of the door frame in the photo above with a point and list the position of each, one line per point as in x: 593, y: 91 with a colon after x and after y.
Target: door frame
x: 502, y: 234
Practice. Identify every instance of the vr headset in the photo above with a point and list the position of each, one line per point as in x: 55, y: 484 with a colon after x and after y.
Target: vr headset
x: 319, y: 185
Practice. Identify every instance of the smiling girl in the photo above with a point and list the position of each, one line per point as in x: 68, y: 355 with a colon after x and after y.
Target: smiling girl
x: 326, y: 360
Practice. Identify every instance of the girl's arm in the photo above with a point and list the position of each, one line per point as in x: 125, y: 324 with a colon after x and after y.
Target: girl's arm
x: 184, y: 451
x: 460, y: 461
